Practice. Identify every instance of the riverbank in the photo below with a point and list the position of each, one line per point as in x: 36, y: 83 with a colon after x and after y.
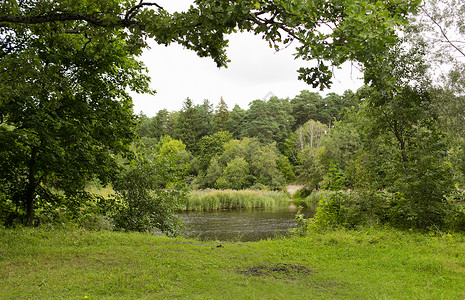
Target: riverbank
x: 366, y: 264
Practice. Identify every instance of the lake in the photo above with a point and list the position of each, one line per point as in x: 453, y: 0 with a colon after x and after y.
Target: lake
x: 242, y: 224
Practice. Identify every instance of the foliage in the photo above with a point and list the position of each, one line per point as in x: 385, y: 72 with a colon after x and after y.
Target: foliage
x: 269, y: 120
x: 307, y: 198
x: 284, y: 166
x: 311, y: 170
x: 329, y: 158
x: 214, y: 172
x: 211, y: 146
x: 156, y: 127
x: 247, y: 162
x: 66, y: 115
x: 236, y: 122
x: 301, y: 193
x: 305, y: 107
x: 205, y: 111
x: 235, y: 175
x: 58, y: 89
x: 301, y: 227
x: 359, y: 30
x: 148, y: 192
x: 221, y: 117
x: 351, y: 210
x: 309, y: 134
x: 440, y: 25
x: 189, y: 127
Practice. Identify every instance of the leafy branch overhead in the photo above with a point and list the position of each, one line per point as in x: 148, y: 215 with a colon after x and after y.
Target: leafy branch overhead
x: 330, y: 32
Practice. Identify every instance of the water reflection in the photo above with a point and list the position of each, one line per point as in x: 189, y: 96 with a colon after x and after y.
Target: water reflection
x: 242, y: 225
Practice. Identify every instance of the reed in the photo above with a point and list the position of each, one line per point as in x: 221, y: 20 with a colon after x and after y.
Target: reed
x: 232, y: 199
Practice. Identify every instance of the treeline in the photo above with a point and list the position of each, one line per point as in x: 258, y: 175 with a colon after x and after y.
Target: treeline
x: 398, y: 155
x: 258, y: 147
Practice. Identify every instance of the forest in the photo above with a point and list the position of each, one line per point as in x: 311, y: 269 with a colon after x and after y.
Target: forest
x: 392, y: 151
x: 402, y: 167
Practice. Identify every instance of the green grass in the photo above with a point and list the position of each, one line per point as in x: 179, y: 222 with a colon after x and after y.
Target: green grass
x: 232, y: 199
x: 366, y: 264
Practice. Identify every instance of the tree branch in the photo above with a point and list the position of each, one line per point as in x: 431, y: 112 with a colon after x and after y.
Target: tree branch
x: 131, y: 12
x: 443, y: 33
x: 71, y: 16
x: 60, y: 17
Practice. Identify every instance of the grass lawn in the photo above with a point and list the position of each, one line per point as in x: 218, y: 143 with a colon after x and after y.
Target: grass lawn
x: 365, y: 264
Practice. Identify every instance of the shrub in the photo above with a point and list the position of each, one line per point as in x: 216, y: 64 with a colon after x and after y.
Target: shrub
x: 351, y: 209
x: 359, y: 208
x: 148, y: 192
x: 312, y: 199
x: 302, y: 224
x: 302, y: 193
x: 93, y: 221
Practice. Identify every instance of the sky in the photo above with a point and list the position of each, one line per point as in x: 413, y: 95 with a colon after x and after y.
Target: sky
x: 255, y: 71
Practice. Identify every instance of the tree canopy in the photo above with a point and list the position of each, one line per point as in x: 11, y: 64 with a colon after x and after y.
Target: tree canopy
x: 329, y: 31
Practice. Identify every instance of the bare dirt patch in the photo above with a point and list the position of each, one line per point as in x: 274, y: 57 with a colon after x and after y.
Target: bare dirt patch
x: 278, y: 271
x: 293, y: 188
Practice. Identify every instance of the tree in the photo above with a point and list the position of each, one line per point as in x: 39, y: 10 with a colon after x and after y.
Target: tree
x: 146, y: 126
x: 65, y: 105
x: 440, y: 24
x: 269, y: 121
x: 236, y: 122
x: 165, y: 122
x: 312, y: 106
x: 148, y: 191
x: 189, y: 126
x: 305, y: 107
x: 221, y: 117
x: 205, y: 111
x: 156, y: 127
x: 211, y: 146
x: 335, y: 31
x: 235, y: 175
x: 265, y: 164
x: 403, y: 116
x: 332, y: 108
x: 309, y: 134
x: 214, y: 172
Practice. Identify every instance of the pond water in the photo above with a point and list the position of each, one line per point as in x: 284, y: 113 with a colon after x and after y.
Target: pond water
x: 242, y: 224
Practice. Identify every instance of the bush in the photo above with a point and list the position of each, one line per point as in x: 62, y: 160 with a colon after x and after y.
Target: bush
x: 302, y: 193
x: 456, y: 219
x: 302, y: 224
x: 96, y: 222
x: 148, y: 192
x: 360, y: 208
x: 351, y: 209
x: 312, y: 199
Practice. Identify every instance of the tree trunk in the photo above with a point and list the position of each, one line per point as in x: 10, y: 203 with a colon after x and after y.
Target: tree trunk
x: 301, y: 140
x: 31, y: 189
x: 311, y: 135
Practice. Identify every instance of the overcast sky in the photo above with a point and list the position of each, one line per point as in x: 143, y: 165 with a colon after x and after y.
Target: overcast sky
x: 255, y: 70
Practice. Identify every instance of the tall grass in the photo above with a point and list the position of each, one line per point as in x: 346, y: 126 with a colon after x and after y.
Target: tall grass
x: 233, y: 199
